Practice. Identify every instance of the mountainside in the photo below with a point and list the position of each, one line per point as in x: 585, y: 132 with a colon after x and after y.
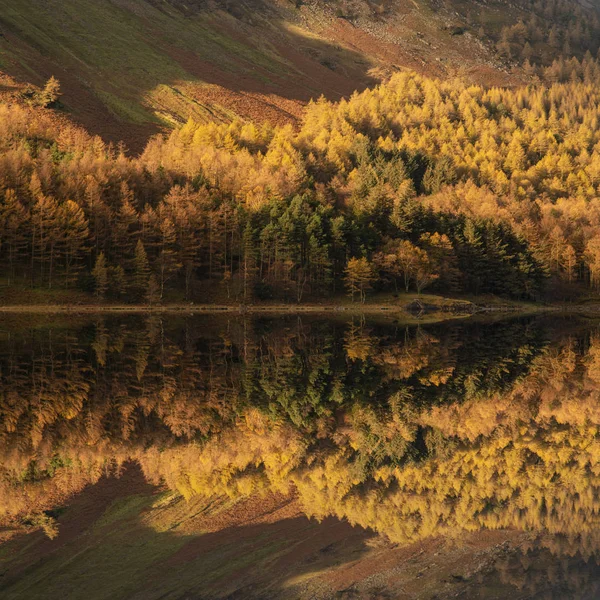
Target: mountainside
x: 417, y: 183
x: 131, y: 67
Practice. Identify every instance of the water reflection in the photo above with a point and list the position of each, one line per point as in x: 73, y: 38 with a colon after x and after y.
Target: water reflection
x: 412, y: 432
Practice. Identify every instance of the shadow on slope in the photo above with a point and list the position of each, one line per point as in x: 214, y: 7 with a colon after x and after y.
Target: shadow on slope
x: 130, y: 67
x: 123, y: 538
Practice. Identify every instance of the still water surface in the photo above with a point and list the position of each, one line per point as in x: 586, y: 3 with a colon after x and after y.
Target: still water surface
x: 465, y: 455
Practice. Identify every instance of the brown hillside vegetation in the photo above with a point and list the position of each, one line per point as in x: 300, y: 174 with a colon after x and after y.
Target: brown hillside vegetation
x: 131, y: 68
x: 415, y: 184
x: 259, y: 547
x: 427, y: 460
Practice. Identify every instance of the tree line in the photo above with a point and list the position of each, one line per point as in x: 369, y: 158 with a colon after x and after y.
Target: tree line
x: 411, y: 432
x: 416, y: 184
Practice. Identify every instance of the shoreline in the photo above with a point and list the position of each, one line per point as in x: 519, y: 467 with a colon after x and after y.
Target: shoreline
x: 427, y: 309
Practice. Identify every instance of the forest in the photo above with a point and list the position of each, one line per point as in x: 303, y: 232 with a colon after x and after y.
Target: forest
x: 409, y: 431
x: 417, y: 184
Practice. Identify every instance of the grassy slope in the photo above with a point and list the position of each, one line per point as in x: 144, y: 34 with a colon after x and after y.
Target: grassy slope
x: 124, y: 540
x: 110, y: 48
x: 147, y: 64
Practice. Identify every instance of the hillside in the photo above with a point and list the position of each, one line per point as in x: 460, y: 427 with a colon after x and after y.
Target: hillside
x: 292, y: 458
x: 416, y: 184
x: 129, y: 68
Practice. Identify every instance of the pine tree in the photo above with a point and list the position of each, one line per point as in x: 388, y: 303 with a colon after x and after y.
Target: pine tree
x: 141, y: 273
x: 569, y: 262
x: 124, y: 231
x: 167, y: 258
x: 117, y: 281
x: 592, y: 260
x: 45, y: 237
x: 153, y: 291
x: 51, y: 93
x: 248, y: 267
x: 74, y: 229
x: 100, y: 274
x: 443, y: 258
x: 472, y: 259
x: 13, y: 231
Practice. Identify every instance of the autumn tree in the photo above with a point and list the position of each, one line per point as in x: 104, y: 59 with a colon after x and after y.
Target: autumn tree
x: 401, y: 259
x: 569, y: 262
x: 45, y: 236
x: 117, y: 281
x: 248, y: 263
x: 443, y: 260
x: 153, y: 291
x: 592, y: 260
x: 50, y: 94
x: 425, y: 273
x: 358, y: 278
x: 141, y: 272
x: 74, y: 230
x: 100, y: 274
x: 167, y: 258
x: 13, y: 231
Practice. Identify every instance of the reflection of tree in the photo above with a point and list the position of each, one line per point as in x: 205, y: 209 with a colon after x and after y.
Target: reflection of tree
x: 413, y: 356
x: 593, y: 359
x: 429, y: 432
x: 358, y: 344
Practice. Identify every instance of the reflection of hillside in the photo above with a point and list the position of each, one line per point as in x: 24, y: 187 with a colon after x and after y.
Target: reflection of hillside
x: 410, y: 433
x: 537, y: 574
x: 124, y: 539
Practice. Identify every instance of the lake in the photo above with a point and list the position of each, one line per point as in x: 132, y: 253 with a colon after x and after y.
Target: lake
x: 205, y: 457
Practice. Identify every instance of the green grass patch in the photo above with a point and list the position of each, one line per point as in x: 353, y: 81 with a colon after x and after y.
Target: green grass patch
x: 111, y: 561
x: 123, y: 52
x: 123, y: 509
